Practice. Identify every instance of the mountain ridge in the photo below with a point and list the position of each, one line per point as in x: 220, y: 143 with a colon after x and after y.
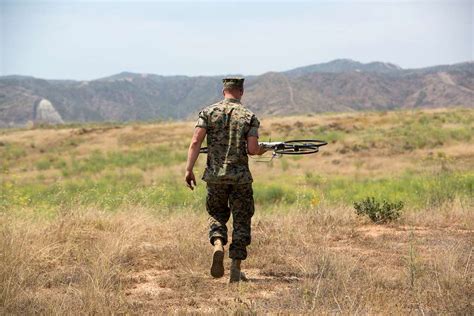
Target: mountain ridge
x: 338, y: 85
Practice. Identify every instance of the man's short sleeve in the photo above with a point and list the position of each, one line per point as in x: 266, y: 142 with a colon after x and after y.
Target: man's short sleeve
x: 254, y: 125
x: 202, y: 120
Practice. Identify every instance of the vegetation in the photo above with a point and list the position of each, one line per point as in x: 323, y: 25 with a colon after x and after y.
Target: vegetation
x: 96, y: 219
x: 137, y: 164
x: 379, y: 212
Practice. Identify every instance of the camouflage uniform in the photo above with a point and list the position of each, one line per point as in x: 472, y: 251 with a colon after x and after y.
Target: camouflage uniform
x: 229, y: 181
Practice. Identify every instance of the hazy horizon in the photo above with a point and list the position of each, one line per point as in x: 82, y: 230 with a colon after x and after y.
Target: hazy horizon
x: 219, y: 75
x: 94, y: 39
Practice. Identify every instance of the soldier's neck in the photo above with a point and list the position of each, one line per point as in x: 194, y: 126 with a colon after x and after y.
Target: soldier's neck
x: 231, y: 99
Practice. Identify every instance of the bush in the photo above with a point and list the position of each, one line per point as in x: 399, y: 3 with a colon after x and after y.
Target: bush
x: 379, y: 212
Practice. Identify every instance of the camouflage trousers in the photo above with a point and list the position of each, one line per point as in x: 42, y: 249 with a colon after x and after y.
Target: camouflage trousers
x: 223, y: 200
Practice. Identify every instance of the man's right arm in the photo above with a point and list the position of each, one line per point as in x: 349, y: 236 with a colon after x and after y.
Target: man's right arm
x: 253, y: 148
x: 193, y: 151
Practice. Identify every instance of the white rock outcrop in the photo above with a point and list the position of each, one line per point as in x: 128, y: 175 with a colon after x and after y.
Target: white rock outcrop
x: 44, y: 112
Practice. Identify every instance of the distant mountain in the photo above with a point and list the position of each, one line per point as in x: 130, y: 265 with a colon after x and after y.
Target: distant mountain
x: 340, y: 85
x: 345, y: 65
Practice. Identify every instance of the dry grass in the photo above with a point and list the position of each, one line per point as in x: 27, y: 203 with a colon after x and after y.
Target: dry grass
x: 320, y: 261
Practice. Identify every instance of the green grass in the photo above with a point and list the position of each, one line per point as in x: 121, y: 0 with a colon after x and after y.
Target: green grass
x: 420, y: 131
x: 112, y: 190
x: 419, y: 136
x: 414, y: 189
x: 271, y: 194
x: 11, y: 152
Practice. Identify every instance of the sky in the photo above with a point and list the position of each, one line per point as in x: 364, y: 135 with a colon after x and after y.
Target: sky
x: 85, y: 40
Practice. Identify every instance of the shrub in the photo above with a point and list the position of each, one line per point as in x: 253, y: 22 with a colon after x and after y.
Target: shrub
x: 379, y: 212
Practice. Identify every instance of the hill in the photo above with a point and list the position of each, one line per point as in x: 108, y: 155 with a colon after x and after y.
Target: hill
x: 340, y: 85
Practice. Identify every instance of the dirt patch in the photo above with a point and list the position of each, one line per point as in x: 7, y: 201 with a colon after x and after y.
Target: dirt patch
x: 383, y: 252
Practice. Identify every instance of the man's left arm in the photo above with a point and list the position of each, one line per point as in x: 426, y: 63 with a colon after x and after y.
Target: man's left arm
x: 253, y: 148
x: 193, y: 153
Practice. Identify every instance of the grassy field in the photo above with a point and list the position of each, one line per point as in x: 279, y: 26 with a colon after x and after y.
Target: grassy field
x: 96, y: 219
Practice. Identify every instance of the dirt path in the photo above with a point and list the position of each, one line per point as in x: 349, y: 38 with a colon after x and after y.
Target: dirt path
x: 198, y: 292
x: 290, y: 91
x: 447, y: 79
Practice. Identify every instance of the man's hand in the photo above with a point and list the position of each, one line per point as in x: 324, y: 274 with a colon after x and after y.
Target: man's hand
x: 190, y: 179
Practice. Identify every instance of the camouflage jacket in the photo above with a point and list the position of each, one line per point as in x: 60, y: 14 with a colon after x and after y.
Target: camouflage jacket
x: 228, y: 124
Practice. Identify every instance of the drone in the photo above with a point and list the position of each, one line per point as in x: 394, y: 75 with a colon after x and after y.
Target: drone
x: 290, y: 147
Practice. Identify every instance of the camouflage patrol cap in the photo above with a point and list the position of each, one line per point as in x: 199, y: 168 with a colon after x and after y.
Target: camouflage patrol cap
x: 233, y: 82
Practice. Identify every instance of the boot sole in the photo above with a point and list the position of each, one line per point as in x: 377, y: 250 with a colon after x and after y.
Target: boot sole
x: 217, y: 268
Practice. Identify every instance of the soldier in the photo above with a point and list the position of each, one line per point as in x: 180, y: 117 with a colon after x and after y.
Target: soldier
x: 232, y: 133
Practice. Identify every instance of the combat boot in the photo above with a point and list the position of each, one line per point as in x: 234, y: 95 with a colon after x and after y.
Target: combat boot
x: 217, y: 267
x: 236, y: 275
